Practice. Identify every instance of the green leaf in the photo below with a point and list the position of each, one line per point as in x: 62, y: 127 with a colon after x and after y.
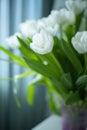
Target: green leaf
x: 56, y: 62
x: 71, y: 55
x: 57, y: 44
x: 52, y: 103
x: 45, y: 72
x: 30, y: 94
x: 19, y: 60
x: 25, y: 50
x: 51, y: 62
x: 28, y: 40
x: 31, y: 88
x: 81, y: 80
x: 66, y: 80
x: 10, y: 61
x: 72, y: 98
x: 38, y: 67
x: 23, y: 47
x: 19, y: 76
x: 69, y: 32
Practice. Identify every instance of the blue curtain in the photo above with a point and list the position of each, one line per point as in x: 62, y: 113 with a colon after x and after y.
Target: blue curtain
x: 12, y: 13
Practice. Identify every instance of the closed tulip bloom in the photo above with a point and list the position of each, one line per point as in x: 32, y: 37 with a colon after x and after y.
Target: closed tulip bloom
x: 64, y: 17
x: 47, y: 21
x: 12, y: 41
x: 49, y: 24
x: 28, y: 28
x: 79, y: 42
x: 42, y: 43
x: 77, y: 6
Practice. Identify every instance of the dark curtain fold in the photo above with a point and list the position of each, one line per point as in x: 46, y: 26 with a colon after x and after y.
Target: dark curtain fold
x: 47, y: 7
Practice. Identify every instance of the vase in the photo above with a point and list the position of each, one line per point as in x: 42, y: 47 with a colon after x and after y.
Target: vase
x: 74, y: 117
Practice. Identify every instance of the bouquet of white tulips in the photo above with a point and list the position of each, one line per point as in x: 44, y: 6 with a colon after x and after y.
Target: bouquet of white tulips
x: 54, y: 51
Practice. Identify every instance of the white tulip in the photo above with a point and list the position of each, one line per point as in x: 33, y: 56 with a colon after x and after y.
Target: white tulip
x: 54, y: 30
x: 54, y: 15
x: 42, y: 43
x: 28, y: 28
x: 79, y: 42
x: 41, y: 23
x: 49, y: 24
x: 12, y: 41
x: 77, y: 6
x: 64, y: 17
x: 51, y: 20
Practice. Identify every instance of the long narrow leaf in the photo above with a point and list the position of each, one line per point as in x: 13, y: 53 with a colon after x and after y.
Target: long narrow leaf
x: 30, y: 94
x: 81, y: 80
x: 37, y: 67
x: 69, y: 52
x: 26, y: 51
x: 48, y: 62
x: 9, y: 61
x: 31, y: 88
x: 19, y: 76
x: 42, y: 70
x: 67, y: 81
x: 14, y: 57
x: 52, y: 103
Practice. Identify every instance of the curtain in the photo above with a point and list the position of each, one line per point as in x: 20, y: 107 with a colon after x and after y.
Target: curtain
x: 58, y: 4
x: 12, y: 13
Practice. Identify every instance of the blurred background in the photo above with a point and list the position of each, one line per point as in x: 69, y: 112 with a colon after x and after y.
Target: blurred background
x: 24, y: 117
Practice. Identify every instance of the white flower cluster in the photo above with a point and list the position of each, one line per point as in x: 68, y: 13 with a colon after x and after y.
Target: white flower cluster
x: 42, y: 31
